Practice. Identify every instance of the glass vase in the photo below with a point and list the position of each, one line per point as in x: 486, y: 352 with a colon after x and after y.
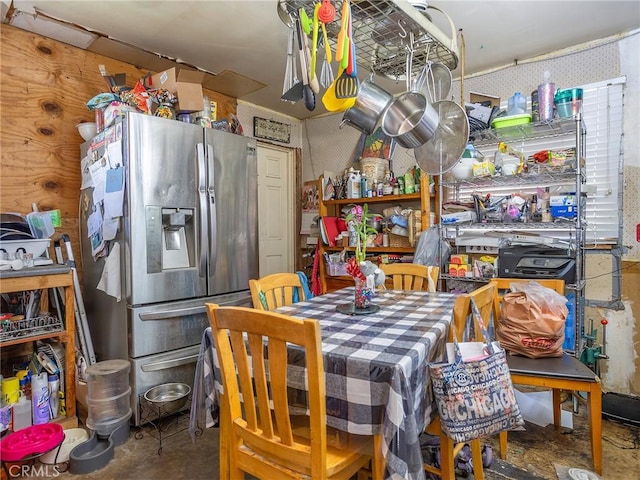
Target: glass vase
x: 363, y: 294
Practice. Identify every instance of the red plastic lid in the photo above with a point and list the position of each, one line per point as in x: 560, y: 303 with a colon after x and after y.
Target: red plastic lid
x: 33, y: 440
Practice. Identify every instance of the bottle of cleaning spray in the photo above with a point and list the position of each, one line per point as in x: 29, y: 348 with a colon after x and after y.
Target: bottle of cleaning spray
x: 54, y: 398
x: 40, y: 398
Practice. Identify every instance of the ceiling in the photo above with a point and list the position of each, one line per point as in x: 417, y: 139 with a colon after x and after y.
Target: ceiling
x: 242, y: 44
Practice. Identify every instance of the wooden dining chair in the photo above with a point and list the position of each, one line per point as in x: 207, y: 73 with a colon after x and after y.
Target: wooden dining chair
x: 276, y: 290
x: 257, y: 434
x: 411, y: 276
x: 449, y: 450
x: 565, y: 373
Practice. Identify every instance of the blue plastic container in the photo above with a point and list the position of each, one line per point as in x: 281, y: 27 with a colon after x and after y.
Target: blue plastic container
x: 517, y: 104
x: 570, y: 324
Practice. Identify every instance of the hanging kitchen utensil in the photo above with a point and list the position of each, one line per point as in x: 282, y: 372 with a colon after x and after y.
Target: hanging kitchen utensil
x: 438, y: 82
x: 288, y: 72
x: 314, y: 42
x: 327, y: 12
x: 296, y: 91
x: 305, y: 21
x: 410, y: 120
x: 307, y: 94
x: 312, y: 79
x: 351, y: 66
x: 371, y: 102
x: 326, y: 74
x: 334, y: 104
x: 342, y: 34
x: 346, y: 85
x: 442, y: 152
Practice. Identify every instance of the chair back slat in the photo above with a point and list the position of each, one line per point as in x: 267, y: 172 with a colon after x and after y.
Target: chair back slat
x: 260, y: 387
x: 485, y: 299
x: 252, y: 346
x: 278, y: 356
x: 276, y: 290
x: 239, y: 354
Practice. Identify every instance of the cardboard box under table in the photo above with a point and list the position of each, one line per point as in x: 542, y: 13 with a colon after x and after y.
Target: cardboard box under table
x: 185, y: 84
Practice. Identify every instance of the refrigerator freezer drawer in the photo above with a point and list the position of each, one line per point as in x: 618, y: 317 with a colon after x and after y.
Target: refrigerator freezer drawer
x: 147, y: 372
x: 168, y: 326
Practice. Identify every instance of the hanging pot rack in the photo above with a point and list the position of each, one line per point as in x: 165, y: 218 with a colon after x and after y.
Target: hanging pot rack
x: 382, y: 30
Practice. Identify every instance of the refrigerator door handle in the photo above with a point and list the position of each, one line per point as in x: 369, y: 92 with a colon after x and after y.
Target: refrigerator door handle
x: 213, y: 238
x: 168, y: 314
x: 164, y: 364
x: 202, y: 200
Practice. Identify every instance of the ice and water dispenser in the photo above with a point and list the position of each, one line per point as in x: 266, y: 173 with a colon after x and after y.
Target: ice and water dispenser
x: 171, y: 238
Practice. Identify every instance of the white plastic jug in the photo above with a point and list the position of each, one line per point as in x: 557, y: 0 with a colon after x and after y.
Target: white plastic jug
x: 517, y: 104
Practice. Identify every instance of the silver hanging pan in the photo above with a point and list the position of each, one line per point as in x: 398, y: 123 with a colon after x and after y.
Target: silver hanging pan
x: 371, y: 103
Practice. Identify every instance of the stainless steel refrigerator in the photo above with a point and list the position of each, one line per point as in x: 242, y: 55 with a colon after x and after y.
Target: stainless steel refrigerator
x: 188, y: 235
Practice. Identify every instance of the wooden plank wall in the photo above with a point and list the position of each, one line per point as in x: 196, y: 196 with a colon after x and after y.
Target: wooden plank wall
x: 44, y: 87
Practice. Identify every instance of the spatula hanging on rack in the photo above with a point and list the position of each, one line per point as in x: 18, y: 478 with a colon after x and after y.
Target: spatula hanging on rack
x: 346, y: 85
x: 295, y: 92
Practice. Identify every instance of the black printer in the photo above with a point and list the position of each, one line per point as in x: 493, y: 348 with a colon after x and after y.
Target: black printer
x: 542, y: 262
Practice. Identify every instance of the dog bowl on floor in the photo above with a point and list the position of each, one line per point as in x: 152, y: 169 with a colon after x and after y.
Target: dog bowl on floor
x: 72, y: 438
x: 171, y: 397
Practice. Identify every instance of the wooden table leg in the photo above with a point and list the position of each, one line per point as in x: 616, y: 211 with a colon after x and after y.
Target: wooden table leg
x: 378, y: 462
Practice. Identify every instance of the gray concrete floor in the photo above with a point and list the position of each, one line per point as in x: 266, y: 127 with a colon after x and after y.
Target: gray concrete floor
x: 535, y: 454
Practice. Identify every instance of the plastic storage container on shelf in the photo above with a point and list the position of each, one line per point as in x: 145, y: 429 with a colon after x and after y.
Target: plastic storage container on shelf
x: 511, y: 121
x: 568, y: 102
x: 517, y: 104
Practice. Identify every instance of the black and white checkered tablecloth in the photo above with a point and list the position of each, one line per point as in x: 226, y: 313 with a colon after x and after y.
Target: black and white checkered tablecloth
x: 376, y: 368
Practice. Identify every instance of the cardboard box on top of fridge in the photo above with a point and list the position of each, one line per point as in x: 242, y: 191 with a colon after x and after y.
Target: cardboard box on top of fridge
x: 186, y: 84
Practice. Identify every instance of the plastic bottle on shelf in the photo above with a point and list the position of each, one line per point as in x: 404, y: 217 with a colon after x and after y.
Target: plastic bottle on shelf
x: 363, y: 185
x: 380, y: 189
x: 40, y: 398
x: 535, y: 106
x: 24, y: 377
x: 546, y: 207
x: 409, y: 185
x: 54, y: 398
x: 517, y: 104
x: 22, y: 414
x: 387, y: 188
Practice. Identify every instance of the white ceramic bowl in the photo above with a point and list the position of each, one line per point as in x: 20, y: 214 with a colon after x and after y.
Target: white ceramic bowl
x: 87, y: 130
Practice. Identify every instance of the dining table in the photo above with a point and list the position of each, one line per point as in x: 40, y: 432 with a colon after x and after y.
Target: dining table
x: 376, y: 370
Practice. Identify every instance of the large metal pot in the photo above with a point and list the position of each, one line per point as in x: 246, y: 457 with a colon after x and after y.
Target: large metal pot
x: 371, y: 102
x: 410, y: 119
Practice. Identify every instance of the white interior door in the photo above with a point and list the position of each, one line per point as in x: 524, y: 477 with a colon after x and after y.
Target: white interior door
x: 276, y: 209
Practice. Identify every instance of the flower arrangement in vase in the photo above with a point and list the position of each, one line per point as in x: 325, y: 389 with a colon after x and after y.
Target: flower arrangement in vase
x: 366, y: 274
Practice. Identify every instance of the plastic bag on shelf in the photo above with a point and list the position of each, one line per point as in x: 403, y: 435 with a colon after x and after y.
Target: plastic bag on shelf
x: 431, y: 249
